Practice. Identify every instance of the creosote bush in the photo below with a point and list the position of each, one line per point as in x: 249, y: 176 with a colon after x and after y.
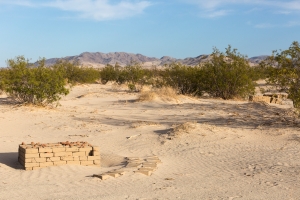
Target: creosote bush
x: 284, y: 71
x: 228, y: 75
x: 29, y: 84
x: 74, y: 73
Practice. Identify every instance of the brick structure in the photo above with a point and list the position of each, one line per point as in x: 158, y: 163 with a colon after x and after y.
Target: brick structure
x: 35, y: 155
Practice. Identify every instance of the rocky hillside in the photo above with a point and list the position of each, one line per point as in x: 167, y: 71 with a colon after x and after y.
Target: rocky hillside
x: 101, y: 59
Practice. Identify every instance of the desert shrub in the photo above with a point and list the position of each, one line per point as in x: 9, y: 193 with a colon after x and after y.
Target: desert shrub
x: 75, y: 73
x: 34, y: 85
x: 132, y: 75
x: 185, y: 79
x: 109, y: 73
x: 228, y: 75
x: 284, y: 71
x: 3, y: 78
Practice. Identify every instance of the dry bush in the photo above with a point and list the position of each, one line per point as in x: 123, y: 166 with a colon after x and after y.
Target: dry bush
x: 180, y: 129
x: 164, y: 93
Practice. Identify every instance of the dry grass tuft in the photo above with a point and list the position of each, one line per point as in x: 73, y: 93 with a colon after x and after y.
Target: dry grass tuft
x: 180, y: 129
x: 165, y: 94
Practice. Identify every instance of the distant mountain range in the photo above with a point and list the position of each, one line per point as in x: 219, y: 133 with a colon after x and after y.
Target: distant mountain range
x: 101, y: 59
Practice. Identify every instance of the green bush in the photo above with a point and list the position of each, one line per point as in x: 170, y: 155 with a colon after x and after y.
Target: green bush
x: 74, y: 73
x: 284, y: 71
x: 132, y: 75
x: 109, y: 73
x: 184, y: 79
x: 34, y: 85
x: 3, y: 78
x: 228, y: 75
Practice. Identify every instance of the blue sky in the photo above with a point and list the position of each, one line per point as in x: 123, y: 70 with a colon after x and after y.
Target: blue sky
x: 177, y: 28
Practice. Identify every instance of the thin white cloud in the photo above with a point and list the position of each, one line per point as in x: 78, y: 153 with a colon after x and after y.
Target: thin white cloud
x: 101, y: 9
x: 213, y: 6
x: 90, y: 9
x: 216, y: 13
x: 18, y: 3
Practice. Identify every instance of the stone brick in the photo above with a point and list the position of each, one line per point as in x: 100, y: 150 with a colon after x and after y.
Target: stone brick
x: 97, y: 162
x: 60, y: 154
x: 76, y: 159
x: 145, y: 172
x: 96, y: 153
x: 79, y: 153
x: 29, y: 155
x: 59, y: 149
x: 86, y: 149
x: 96, y: 148
x: 101, y: 176
x: 32, y: 164
x: 46, y: 164
x: 43, y: 155
x: 73, y: 162
x: 31, y: 150
x: 52, y: 159
x: 87, y: 162
x: 34, y: 168
x: 72, y: 149
x: 93, y: 157
x: 83, y: 158
x: 153, y: 160
x: 28, y: 168
x: 149, y: 165
x: 58, y: 163
x: 45, y: 150
x: 69, y: 158
x: 133, y: 164
x: 113, y: 174
x: 37, y: 160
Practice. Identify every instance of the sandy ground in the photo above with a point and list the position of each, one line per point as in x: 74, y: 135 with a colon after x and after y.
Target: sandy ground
x: 234, y: 150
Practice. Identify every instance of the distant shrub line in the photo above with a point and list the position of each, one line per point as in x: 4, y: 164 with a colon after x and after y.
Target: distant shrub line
x: 226, y: 75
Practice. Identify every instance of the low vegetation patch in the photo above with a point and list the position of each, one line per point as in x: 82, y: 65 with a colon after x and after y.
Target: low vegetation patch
x: 164, y: 93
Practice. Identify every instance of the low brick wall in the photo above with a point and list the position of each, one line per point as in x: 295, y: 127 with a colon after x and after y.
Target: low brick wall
x: 35, y: 155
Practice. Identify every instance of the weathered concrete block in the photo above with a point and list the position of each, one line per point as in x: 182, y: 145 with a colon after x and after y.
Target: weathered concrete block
x: 69, y: 158
x: 96, y: 148
x: 93, y: 157
x: 79, y: 153
x: 38, y: 160
x: 34, y: 168
x: 86, y: 149
x: 73, y: 162
x: 97, y: 162
x: 32, y: 150
x: 43, y: 155
x: 145, y: 172
x: 58, y: 163
x: 87, y: 163
x: 45, y: 150
x: 113, y: 174
x: 29, y: 155
x: 52, y: 159
x: 46, y: 164
x: 59, y: 149
x: 96, y: 153
x: 32, y: 164
x: 72, y: 149
x: 83, y: 158
x: 62, y: 154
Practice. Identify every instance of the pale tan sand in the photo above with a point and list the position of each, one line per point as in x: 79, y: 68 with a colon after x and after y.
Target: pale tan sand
x: 233, y: 150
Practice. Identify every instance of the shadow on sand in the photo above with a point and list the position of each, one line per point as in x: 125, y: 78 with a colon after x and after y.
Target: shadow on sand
x: 11, y: 160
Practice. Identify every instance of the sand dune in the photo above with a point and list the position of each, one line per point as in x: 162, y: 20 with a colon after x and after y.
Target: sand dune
x: 233, y: 150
